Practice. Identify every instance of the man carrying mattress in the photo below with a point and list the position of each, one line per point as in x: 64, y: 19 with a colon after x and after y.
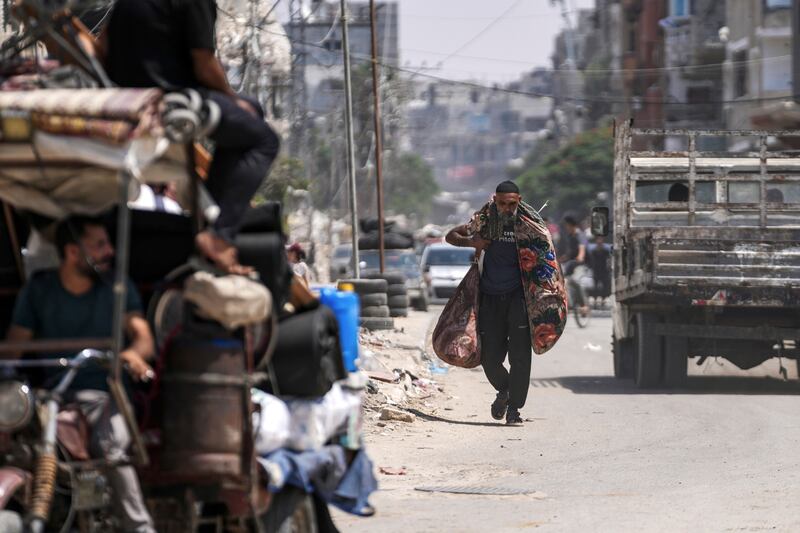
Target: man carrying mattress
x: 522, y: 302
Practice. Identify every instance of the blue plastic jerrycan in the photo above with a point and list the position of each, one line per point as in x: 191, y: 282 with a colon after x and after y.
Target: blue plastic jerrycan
x: 346, y: 307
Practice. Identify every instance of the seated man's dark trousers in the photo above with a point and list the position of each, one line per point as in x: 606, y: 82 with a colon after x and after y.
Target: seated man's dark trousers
x: 245, y: 147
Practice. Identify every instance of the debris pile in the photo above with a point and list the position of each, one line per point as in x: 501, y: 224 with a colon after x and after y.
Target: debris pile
x: 401, y: 377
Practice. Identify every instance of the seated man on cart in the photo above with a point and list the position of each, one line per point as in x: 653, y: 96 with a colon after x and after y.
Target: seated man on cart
x: 76, y: 301
x: 171, y: 44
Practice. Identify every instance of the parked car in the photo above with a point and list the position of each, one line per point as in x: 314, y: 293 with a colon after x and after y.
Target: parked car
x: 443, y: 267
x: 403, y: 261
x: 340, y: 261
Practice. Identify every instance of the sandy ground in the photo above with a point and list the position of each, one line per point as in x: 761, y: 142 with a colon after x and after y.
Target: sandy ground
x: 595, y: 453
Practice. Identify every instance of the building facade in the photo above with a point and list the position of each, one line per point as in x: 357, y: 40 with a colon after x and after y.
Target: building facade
x: 471, y: 135
x: 758, y: 60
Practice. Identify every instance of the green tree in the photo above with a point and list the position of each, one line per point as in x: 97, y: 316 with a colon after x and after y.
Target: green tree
x: 286, y: 172
x: 570, y: 177
x: 410, y: 185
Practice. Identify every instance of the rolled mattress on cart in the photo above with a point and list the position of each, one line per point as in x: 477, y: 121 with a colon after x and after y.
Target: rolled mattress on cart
x: 62, y: 150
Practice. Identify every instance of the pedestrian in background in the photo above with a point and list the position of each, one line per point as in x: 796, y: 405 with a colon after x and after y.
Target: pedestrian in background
x: 297, y: 258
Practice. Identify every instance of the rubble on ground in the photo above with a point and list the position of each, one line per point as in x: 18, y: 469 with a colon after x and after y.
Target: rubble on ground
x: 401, y: 377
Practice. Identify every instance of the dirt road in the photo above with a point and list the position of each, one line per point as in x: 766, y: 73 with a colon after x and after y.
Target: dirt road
x: 595, y: 454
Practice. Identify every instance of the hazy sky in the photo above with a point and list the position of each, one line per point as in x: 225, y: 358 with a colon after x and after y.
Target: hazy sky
x: 483, y: 40
x: 493, y: 40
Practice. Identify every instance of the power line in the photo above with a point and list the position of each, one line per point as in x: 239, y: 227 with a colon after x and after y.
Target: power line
x: 591, y: 71
x: 451, y: 18
x: 484, y: 30
x: 532, y: 94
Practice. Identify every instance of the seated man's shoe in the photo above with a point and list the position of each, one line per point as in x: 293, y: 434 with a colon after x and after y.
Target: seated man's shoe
x: 513, y: 418
x: 499, y: 405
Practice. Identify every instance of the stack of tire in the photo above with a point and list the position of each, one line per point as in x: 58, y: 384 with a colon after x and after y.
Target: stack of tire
x: 372, y: 295
x: 397, y: 294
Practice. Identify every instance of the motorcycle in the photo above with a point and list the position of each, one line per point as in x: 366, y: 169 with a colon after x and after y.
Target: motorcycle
x: 48, y: 481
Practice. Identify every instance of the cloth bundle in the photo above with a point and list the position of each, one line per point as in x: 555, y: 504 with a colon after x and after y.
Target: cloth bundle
x: 455, y: 338
x: 112, y: 115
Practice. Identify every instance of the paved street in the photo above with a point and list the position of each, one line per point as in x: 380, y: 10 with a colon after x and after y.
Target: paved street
x: 721, y: 455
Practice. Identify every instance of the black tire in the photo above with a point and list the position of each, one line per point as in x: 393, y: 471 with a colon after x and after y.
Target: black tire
x: 650, y: 352
x: 398, y: 311
x: 676, y: 361
x: 421, y: 303
x: 291, y: 511
x: 379, y: 311
x: 399, y: 301
x: 366, y: 286
x: 624, y: 357
x: 369, y: 300
x: 392, y: 278
x: 376, y: 323
x: 396, y: 289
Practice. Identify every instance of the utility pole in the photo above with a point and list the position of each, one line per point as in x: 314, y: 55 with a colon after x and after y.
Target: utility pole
x: 570, y: 66
x: 348, y: 124
x: 373, y: 25
x: 796, y: 50
x: 299, y: 102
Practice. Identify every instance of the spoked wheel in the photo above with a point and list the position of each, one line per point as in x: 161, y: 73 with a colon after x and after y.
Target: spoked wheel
x: 581, y: 316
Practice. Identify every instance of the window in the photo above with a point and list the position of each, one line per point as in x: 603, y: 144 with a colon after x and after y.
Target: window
x: 332, y: 45
x: 680, y: 8
x: 450, y: 256
x: 740, y: 77
x: 745, y: 192
x: 664, y: 191
x: 772, y: 5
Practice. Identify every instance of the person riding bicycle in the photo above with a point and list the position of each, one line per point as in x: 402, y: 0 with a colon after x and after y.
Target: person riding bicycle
x: 76, y: 301
x: 572, y: 252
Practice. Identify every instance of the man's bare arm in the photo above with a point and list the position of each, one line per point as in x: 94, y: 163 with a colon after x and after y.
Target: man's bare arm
x: 138, y: 331
x: 16, y: 334
x: 461, y: 236
x: 141, y: 349
x: 209, y: 71
x: 581, y: 253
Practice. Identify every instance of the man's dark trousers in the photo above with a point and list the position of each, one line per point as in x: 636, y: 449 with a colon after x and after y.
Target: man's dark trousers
x: 504, y: 329
x: 245, y: 147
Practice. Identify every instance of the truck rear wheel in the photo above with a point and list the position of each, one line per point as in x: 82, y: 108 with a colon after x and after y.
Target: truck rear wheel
x: 624, y: 357
x: 650, y: 352
x: 676, y: 360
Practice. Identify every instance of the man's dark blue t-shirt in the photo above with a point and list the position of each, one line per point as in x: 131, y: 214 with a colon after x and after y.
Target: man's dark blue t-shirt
x: 501, y: 273
x: 45, y: 307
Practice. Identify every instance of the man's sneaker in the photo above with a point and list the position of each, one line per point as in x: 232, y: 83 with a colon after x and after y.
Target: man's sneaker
x: 513, y: 418
x: 499, y: 405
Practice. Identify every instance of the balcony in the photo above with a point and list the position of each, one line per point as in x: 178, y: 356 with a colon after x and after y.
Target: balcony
x: 692, y: 41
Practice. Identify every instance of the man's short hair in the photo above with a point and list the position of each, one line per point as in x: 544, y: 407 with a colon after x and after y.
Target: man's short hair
x: 570, y: 219
x: 72, y: 229
x: 506, y: 187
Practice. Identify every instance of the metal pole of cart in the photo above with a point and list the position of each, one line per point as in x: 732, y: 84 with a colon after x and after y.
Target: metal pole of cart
x: 118, y: 317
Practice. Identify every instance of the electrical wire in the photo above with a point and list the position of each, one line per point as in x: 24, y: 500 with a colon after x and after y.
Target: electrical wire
x: 590, y: 71
x: 483, y: 31
x: 534, y: 94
